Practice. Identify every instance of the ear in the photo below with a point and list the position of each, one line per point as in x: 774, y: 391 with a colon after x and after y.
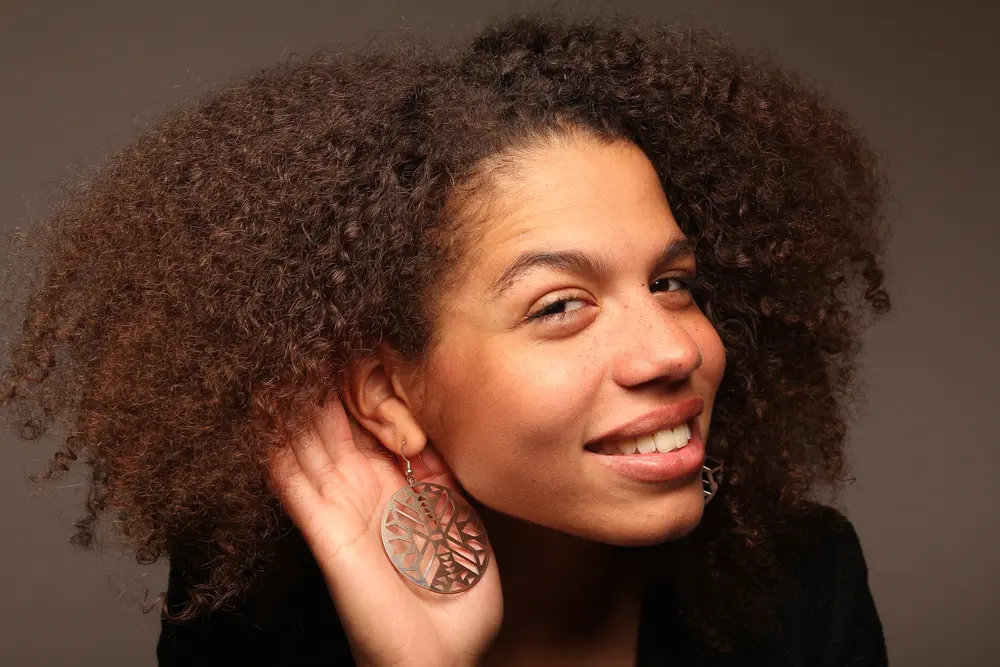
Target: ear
x: 379, y: 395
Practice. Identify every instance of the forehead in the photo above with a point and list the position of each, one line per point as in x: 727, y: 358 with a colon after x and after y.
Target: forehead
x: 576, y: 192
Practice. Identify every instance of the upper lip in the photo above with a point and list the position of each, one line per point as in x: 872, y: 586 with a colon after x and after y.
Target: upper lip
x: 660, y: 419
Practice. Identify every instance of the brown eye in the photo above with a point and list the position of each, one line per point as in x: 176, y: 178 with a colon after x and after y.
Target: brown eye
x: 558, y: 309
x: 671, y: 284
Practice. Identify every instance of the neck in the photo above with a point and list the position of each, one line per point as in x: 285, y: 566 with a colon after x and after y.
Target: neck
x: 560, y: 590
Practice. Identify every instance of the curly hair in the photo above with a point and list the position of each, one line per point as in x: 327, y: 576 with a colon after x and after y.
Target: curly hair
x: 207, y: 282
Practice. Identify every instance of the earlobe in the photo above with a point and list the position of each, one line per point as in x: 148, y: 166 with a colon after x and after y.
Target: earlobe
x: 374, y: 396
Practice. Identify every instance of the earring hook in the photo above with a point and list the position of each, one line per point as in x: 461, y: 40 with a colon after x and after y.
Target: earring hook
x: 409, y: 471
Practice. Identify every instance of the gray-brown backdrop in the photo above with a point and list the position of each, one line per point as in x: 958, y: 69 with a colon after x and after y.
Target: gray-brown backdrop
x: 78, y: 78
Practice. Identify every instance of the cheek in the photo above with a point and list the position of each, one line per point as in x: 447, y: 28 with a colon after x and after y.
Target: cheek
x: 708, y: 376
x: 494, y: 411
x: 713, y: 354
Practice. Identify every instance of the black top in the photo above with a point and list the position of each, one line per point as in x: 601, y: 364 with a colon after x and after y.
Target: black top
x: 827, y: 618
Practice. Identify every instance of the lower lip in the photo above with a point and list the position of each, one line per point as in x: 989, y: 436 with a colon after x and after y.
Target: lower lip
x: 659, y: 466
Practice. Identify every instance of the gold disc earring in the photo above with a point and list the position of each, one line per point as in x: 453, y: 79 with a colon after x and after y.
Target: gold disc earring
x: 434, y: 537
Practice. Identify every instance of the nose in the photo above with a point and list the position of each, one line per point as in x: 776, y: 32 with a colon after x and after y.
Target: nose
x: 653, y: 345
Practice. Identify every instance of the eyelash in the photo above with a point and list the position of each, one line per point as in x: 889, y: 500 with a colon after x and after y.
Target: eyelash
x: 686, y: 283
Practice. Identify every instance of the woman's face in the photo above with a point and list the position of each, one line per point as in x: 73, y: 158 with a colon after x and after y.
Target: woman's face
x: 570, y: 332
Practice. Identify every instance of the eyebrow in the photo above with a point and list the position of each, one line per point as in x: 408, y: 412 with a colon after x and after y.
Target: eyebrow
x: 576, y: 261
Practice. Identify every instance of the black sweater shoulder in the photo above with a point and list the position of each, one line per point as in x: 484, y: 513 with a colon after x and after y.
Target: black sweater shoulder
x: 289, y: 619
x: 832, y: 610
x: 821, y: 606
x: 826, y: 616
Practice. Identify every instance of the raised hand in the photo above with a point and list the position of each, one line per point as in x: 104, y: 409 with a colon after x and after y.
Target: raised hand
x: 334, y: 482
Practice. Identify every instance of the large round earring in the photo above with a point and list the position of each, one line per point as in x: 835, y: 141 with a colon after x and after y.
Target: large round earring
x: 711, y: 472
x: 434, y: 537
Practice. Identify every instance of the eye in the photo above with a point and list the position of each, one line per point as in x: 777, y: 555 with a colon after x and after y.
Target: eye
x: 671, y: 284
x: 567, y: 308
x: 558, y: 310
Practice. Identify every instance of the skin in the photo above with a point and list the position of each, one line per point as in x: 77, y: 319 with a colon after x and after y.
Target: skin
x: 505, y: 402
x: 613, y: 348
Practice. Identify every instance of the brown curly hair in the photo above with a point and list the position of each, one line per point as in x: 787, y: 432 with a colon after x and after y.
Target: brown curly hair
x: 208, y: 281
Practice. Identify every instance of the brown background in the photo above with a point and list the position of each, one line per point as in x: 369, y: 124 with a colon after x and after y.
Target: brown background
x: 78, y: 78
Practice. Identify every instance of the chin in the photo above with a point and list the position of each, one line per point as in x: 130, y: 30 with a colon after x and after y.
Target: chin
x: 661, y: 520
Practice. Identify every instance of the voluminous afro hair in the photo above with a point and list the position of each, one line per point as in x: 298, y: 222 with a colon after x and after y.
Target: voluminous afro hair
x: 208, y: 282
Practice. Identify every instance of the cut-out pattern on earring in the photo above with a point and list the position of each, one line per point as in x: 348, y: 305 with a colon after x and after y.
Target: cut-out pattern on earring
x: 435, y: 538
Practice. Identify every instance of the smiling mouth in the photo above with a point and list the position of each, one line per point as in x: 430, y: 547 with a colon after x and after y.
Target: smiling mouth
x: 664, y: 441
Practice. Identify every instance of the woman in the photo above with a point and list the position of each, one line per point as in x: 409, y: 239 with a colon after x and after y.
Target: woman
x: 560, y: 271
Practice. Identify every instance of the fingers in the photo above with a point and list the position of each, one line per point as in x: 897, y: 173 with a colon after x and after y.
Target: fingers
x: 340, y: 434
x: 329, y: 451
x: 313, y: 456
x: 329, y: 445
x: 334, y: 429
x: 288, y: 479
x: 310, y: 458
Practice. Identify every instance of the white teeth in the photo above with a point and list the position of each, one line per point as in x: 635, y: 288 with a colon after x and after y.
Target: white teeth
x: 662, y: 441
x: 645, y: 444
x: 669, y: 440
x: 627, y: 446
